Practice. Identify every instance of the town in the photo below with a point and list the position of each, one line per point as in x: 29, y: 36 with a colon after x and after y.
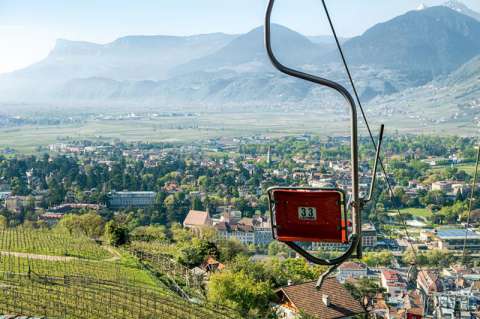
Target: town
x: 421, y: 253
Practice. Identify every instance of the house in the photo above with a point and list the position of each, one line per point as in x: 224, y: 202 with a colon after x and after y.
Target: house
x: 413, y: 306
x: 211, y: 265
x: 331, y: 301
x: 196, y: 220
x: 351, y: 270
x: 16, y: 204
x: 65, y: 208
x: 455, y: 304
x: 394, y: 284
x: 242, y: 232
x: 51, y: 218
x: 262, y: 229
x: 429, y: 281
x: 444, y: 186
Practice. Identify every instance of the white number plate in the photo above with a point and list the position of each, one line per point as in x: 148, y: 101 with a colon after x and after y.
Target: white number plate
x: 307, y: 213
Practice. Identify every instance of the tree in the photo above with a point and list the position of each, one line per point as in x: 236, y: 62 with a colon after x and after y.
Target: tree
x: 193, y: 253
x: 241, y: 292
x: 19, y: 186
x: 364, y: 288
x: 375, y: 259
x: 275, y: 248
x: 115, y: 234
x: 296, y: 270
x: 180, y: 234
x: 89, y: 224
x: 197, y: 203
x: 150, y: 233
x: 229, y: 249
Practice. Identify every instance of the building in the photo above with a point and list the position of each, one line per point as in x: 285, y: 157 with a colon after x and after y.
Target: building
x: 262, y: 229
x: 413, y: 306
x: 242, y: 232
x: 455, y: 305
x: 429, y: 281
x: 51, y: 218
x: 351, y: 270
x: 444, y: 186
x: 394, y: 284
x: 122, y: 200
x: 65, y: 208
x: 331, y: 301
x: 454, y: 239
x: 16, y: 204
x: 196, y: 220
x: 212, y: 265
x: 369, y: 240
x: 369, y: 235
x: 5, y: 195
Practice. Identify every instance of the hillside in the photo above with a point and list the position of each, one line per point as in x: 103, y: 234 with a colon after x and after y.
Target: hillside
x: 454, y: 100
x: 422, y: 44
x: 51, y: 274
x: 247, y: 52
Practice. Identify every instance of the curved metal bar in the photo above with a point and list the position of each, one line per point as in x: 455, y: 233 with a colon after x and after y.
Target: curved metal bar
x: 324, y: 262
x: 356, y: 205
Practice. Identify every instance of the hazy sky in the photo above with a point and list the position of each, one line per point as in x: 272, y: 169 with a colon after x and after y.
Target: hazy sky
x: 28, y: 28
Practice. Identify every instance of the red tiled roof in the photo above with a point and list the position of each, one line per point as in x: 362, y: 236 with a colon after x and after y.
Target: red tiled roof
x: 196, y: 218
x: 305, y: 297
x: 390, y: 274
x: 352, y: 265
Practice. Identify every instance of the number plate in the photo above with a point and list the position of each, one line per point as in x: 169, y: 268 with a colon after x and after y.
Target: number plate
x: 307, y: 213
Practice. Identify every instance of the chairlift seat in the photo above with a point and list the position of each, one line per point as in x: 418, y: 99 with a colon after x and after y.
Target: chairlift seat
x: 308, y: 215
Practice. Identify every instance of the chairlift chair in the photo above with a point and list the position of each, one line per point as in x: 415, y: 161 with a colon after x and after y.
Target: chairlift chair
x: 306, y: 214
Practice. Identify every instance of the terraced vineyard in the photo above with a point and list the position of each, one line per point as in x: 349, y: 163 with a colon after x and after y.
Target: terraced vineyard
x: 49, y: 242
x: 41, y: 276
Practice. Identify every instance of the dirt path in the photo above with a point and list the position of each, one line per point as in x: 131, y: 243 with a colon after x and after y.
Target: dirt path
x: 115, y: 255
x: 114, y: 252
x: 35, y: 256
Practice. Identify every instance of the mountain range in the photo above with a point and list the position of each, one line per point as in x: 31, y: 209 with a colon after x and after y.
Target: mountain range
x: 434, y: 46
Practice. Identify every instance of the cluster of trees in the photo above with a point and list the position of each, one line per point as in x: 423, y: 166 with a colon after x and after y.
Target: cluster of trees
x: 249, y: 286
x: 435, y: 258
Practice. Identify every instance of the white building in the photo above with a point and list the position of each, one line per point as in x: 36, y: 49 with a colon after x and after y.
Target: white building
x: 444, y: 186
x: 243, y: 233
x: 351, y: 270
x: 394, y: 284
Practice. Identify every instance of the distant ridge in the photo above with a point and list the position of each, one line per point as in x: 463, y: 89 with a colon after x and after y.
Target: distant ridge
x: 422, y: 44
x: 409, y: 51
x: 462, y: 8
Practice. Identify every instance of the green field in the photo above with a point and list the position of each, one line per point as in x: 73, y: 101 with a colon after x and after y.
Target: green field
x: 422, y: 214
x: 469, y: 168
x: 26, y: 139
x: 419, y: 212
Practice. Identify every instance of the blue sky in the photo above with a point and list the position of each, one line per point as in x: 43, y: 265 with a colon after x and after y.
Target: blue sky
x: 28, y: 28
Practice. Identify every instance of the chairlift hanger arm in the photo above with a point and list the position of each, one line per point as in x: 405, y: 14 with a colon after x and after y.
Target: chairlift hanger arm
x: 299, y: 74
x: 356, y: 202
x: 320, y: 261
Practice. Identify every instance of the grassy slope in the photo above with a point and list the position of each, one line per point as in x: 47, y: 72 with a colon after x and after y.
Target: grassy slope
x: 97, y: 283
